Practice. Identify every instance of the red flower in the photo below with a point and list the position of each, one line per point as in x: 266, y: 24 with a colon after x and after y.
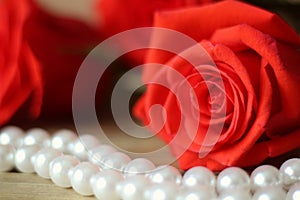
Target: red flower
x: 19, y: 71
x: 257, y: 55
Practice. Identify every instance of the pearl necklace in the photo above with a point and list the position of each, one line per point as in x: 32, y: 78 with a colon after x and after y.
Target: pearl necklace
x: 112, y: 175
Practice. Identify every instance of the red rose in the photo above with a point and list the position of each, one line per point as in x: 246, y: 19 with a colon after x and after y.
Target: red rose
x: 257, y: 55
x: 19, y: 70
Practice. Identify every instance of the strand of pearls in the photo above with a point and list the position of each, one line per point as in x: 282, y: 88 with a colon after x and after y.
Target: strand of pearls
x: 111, y: 175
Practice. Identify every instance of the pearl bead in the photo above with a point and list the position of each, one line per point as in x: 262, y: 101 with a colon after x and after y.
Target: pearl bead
x: 132, y: 187
x: 43, y: 159
x: 23, y: 158
x: 82, y: 145
x: 104, y: 184
x: 97, y: 153
x: 116, y: 160
x: 59, y: 168
x: 201, y: 176
x: 266, y: 175
x: 162, y: 191
x: 80, y: 177
x: 61, y: 139
x: 7, y: 157
x: 37, y: 136
x: 138, y: 166
x: 197, y: 193
x: 291, y: 171
x: 269, y: 193
x: 294, y: 192
x: 165, y: 173
x: 233, y: 178
x: 11, y: 135
x: 234, y: 194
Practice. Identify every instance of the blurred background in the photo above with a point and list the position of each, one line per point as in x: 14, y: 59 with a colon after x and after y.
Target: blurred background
x: 84, y: 9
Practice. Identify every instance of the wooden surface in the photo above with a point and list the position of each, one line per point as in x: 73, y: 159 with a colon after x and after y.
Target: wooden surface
x: 30, y: 186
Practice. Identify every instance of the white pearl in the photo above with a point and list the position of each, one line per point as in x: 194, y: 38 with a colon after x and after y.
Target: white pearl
x: 291, y: 171
x: 234, y: 194
x: 61, y: 139
x: 43, y: 159
x: 59, y: 169
x: 37, y: 136
x: 23, y: 158
x: 132, y: 187
x: 138, y: 166
x: 294, y: 192
x: 233, y: 178
x: 80, y: 177
x: 11, y: 135
x: 82, y: 145
x: 199, y: 175
x: 162, y: 191
x: 97, y: 153
x: 116, y: 160
x: 266, y: 175
x: 104, y: 184
x: 165, y: 173
x: 197, y: 193
x: 6, y: 157
x: 269, y: 193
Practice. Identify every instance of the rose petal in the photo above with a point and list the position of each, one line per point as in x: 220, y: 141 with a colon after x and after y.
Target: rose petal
x: 201, y: 22
x: 272, y: 148
x: 284, y: 61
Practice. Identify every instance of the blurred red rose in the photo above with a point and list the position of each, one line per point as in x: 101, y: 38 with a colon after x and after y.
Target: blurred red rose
x: 21, y: 83
x: 119, y: 15
x: 60, y: 44
x: 257, y: 55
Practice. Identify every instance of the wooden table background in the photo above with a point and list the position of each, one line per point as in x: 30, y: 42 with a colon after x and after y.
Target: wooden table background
x: 30, y: 186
